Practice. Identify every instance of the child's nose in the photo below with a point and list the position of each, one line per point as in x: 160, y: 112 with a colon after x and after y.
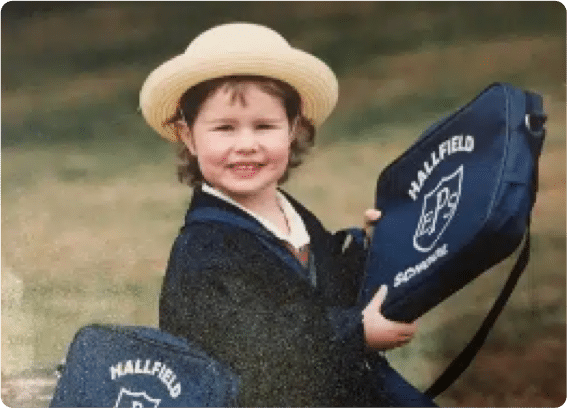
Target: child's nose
x: 246, y: 140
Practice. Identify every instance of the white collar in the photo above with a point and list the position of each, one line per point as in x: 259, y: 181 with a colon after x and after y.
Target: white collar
x: 298, y: 236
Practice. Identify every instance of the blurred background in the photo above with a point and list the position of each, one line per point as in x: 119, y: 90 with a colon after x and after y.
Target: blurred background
x: 91, y: 203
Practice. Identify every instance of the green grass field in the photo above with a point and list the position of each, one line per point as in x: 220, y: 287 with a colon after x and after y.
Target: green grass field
x: 91, y: 204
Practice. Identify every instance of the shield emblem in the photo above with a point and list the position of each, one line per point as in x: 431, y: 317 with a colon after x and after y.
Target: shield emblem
x: 439, y: 207
x: 130, y: 399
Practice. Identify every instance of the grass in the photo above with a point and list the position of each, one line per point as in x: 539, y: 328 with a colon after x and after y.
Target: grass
x: 94, y: 247
x: 91, y: 203
x: 409, y: 87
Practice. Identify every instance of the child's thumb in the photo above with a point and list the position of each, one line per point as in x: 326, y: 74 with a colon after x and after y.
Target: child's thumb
x: 380, y: 296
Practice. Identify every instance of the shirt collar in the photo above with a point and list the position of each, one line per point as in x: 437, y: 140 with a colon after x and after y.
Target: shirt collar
x: 298, y: 236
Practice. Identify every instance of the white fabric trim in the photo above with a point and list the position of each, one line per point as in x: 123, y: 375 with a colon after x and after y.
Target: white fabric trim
x: 298, y: 236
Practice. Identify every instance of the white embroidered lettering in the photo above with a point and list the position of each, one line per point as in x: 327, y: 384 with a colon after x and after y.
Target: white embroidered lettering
x: 128, y: 367
x: 414, y: 191
x: 405, y: 276
x: 116, y: 371
x: 469, y: 143
x: 138, y: 367
x: 454, y: 144
x: 155, y: 368
x: 175, y: 391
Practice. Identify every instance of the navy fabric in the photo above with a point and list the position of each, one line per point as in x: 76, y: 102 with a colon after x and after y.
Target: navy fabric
x: 388, y: 387
x: 121, y: 366
x: 206, y: 209
x: 457, y: 202
x: 392, y: 388
x: 226, y: 267
x: 236, y: 290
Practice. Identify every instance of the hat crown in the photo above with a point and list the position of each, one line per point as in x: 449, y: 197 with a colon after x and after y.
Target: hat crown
x: 236, y: 37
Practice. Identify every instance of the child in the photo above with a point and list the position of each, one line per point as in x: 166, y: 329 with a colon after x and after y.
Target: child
x: 253, y: 277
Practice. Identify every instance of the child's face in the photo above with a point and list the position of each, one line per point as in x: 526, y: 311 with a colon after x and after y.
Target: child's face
x: 242, y: 146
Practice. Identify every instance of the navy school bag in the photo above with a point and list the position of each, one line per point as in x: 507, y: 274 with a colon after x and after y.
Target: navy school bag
x: 132, y: 366
x: 454, y: 204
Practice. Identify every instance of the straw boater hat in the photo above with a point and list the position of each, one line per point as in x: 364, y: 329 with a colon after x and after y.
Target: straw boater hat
x: 238, y: 49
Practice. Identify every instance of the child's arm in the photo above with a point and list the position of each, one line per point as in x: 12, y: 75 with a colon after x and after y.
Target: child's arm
x: 364, y: 321
x: 369, y: 325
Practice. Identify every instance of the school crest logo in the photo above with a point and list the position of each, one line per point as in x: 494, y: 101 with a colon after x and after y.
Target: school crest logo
x: 439, y: 207
x: 130, y: 399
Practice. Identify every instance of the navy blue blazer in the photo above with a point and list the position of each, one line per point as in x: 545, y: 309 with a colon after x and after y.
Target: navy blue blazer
x: 235, y: 290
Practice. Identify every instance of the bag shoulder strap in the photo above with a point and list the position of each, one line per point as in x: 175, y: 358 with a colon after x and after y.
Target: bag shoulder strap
x: 462, y: 361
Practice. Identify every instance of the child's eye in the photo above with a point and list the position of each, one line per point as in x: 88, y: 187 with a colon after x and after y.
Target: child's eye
x: 224, y: 128
x: 264, y: 126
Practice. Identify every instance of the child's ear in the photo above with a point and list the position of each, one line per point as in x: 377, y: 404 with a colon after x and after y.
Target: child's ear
x: 186, y: 136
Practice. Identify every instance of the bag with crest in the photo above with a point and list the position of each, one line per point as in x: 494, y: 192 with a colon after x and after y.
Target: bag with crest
x: 128, y: 366
x: 456, y: 203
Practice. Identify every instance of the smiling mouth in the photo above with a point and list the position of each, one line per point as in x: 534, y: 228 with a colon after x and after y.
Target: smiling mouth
x: 245, y: 166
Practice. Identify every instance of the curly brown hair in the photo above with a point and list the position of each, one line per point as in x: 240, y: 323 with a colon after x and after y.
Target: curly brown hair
x: 191, y: 101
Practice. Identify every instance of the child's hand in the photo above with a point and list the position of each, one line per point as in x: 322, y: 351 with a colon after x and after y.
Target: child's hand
x: 381, y: 333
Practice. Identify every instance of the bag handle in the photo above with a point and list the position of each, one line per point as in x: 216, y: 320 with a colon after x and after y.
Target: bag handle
x: 462, y: 361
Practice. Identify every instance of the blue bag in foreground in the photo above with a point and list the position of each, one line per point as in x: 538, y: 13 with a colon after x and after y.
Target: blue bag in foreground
x: 128, y: 366
x: 457, y: 202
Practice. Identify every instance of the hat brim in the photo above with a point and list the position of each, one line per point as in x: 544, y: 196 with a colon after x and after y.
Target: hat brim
x: 313, y: 80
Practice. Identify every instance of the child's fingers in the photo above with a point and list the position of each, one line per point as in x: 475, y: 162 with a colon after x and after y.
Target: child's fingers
x: 375, y: 303
x: 405, y: 330
x: 380, y: 296
x: 403, y: 342
x: 371, y: 216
